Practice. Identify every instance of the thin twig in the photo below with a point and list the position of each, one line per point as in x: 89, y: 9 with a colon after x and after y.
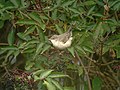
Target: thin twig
x: 94, y: 61
x: 86, y: 73
x: 109, y: 63
x: 113, y: 74
x: 7, y: 70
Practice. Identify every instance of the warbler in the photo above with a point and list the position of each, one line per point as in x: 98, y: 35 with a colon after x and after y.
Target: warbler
x: 62, y: 41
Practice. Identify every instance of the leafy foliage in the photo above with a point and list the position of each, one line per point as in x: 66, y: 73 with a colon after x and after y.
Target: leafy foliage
x: 92, y: 62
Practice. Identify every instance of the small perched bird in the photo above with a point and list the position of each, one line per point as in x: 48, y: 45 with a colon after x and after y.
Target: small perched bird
x: 62, y: 41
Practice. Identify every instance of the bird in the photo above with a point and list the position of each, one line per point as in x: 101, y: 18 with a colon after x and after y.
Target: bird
x: 62, y: 41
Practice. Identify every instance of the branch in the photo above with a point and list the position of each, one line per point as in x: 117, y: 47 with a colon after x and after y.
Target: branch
x: 86, y: 73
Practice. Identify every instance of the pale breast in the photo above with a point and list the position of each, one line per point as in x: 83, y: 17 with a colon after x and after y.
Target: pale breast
x: 61, y: 45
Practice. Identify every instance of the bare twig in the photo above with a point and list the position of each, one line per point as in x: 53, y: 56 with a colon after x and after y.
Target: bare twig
x: 113, y: 74
x: 86, y: 73
x: 91, y: 59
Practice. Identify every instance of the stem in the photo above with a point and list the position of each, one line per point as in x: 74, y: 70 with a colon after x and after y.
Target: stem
x: 86, y: 73
x: 113, y: 74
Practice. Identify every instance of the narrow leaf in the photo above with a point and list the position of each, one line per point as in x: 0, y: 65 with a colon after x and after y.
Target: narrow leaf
x: 29, y: 30
x: 11, y: 37
x: 14, y: 2
x: 88, y: 49
x: 54, y: 14
x: 58, y: 29
x: 50, y: 86
x: 89, y: 2
x: 66, y: 3
x: 58, y: 75
x: 45, y: 74
x: 38, y: 72
x: 30, y: 50
x: 71, y: 50
x: 80, y: 70
x: 46, y: 47
x: 117, y: 49
x: 57, y: 84
x: 2, y: 51
x: 9, y: 53
x: 35, y: 16
x: 90, y: 11
x: 74, y: 10
x: 27, y: 21
x: 38, y: 50
x: 41, y: 34
x: 80, y: 49
x: 9, y: 48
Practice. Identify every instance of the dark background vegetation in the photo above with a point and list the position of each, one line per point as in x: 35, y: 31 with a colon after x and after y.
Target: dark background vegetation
x: 29, y: 62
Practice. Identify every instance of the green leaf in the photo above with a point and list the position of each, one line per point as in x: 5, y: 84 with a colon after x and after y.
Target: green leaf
x: 98, y: 31
x: 5, y: 16
x: 46, y: 47
x: 36, y: 78
x: 113, y: 3
x: 71, y: 50
x: 54, y: 14
x: 14, y: 3
x: 78, y: 48
x: 33, y: 41
x: 16, y: 53
x: 23, y: 37
x: 80, y: 70
x: 90, y: 11
x: 29, y: 46
x: 69, y: 88
x: 38, y: 49
x: 26, y: 21
x: 24, y: 4
x: 117, y: 49
x: 44, y: 17
x: 30, y: 50
x: 35, y: 16
x: 29, y: 65
x: 42, y: 25
x: 88, y: 3
x: 97, y: 83
x: 57, y: 75
x: 88, y: 49
x: 45, y: 74
x: 41, y: 34
x: 29, y: 30
x: 50, y: 86
x: 57, y: 84
x: 9, y: 48
x: 38, y: 72
x: 74, y: 10
x: 98, y: 14
x: 71, y: 66
x: 58, y: 29
x: 83, y: 37
x: 2, y: 51
x: 9, y: 53
x: 66, y: 3
x: 62, y: 17
x: 1, y: 23
x: 13, y: 60
x: 11, y: 37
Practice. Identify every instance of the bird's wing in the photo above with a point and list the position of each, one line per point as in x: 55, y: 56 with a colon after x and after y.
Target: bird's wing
x: 64, y: 37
